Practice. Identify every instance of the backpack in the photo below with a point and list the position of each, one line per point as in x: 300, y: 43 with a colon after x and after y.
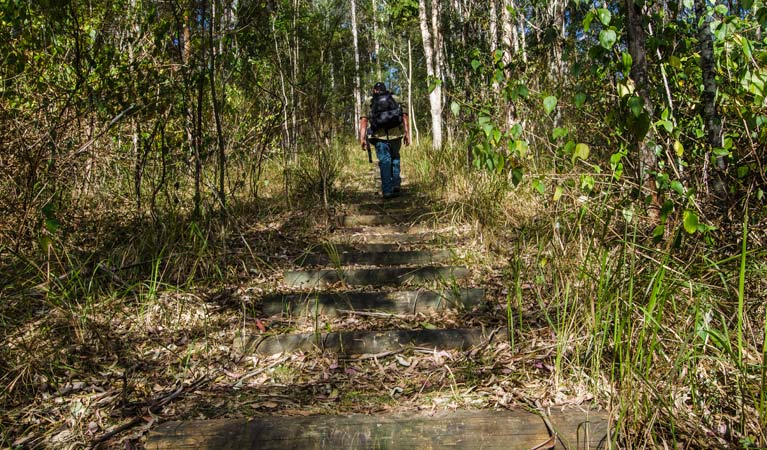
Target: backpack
x: 385, y: 112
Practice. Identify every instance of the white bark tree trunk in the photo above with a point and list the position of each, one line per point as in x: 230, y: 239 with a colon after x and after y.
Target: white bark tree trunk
x: 357, y: 95
x: 376, y: 43
x: 432, y: 44
x: 493, y: 31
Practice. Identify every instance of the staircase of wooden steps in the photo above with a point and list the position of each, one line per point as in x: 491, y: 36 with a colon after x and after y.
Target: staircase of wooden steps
x: 384, y: 260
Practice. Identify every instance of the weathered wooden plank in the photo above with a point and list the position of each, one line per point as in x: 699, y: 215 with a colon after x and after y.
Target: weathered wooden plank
x: 387, y: 276
x: 400, y: 302
x: 401, y: 258
x: 359, y: 247
x: 389, y: 236
x: 361, y: 220
x: 362, y: 342
x: 486, y: 430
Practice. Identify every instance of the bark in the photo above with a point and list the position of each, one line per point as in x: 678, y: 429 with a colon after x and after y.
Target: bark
x: 376, y: 43
x: 217, y: 111
x: 493, y: 31
x: 711, y: 118
x: 648, y: 162
x: 431, y: 48
x: 509, y: 34
x: 357, y: 89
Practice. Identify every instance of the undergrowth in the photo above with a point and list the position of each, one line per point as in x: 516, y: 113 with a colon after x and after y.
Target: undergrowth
x: 669, y: 334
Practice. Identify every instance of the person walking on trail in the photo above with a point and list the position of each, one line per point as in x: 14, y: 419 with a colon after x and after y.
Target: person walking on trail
x: 385, y: 127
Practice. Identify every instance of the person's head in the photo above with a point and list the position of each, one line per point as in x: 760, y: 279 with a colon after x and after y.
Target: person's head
x: 379, y: 88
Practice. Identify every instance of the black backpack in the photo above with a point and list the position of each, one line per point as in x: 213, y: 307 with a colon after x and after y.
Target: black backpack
x: 385, y: 112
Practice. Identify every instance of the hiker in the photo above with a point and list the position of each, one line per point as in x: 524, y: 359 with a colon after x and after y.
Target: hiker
x: 385, y: 127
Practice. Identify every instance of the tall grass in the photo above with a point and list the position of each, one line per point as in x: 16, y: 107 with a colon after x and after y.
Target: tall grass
x: 670, y: 336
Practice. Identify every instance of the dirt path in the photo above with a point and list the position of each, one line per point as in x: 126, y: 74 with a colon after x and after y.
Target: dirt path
x: 386, y: 293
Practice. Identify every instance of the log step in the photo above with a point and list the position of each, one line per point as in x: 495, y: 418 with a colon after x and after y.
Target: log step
x: 361, y: 220
x: 392, y: 236
x: 360, y: 247
x: 489, y: 430
x: 363, y: 342
x: 402, y: 258
x: 392, y: 276
x: 401, y: 302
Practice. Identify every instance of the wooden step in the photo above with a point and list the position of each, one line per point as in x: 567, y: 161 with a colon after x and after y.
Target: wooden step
x: 359, y: 247
x: 402, y: 258
x: 488, y: 430
x: 362, y: 342
x: 399, y: 237
x: 409, y: 208
x: 400, y: 302
x: 391, y: 276
x: 361, y: 220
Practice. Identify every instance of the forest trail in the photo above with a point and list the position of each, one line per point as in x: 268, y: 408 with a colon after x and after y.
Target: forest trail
x: 388, y: 289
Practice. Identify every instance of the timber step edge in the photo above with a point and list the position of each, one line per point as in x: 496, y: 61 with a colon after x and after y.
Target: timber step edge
x: 514, y: 429
x: 364, y: 342
x: 399, y: 302
x: 388, y: 258
x: 386, y: 276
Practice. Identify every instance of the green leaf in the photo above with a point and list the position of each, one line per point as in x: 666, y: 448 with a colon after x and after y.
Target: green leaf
x: 587, y: 183
x: 549, y: 103
x: 516, y: 175
x: 52, y: 225
x: 688, y: 4
x: 433, y: 83
x: 604, y: 16
x: 581, y: 151
x: 580, y: 99
x: 677, y: 187
x: 475, y: 64
x: 627, y: 61
x: 455, y: 108
x: 496, y: 136
x: 521, y: 148
x: 516, y: 130
x: 523, y: 91
x: 690, y: 220
x: 559, y: 133
x: 743, y: 171
x: 636, y: 106
x: 628, y: 214
x: 607, y: 38
x: 678, y: 149
x: 539, y: 186
x: 557, y: 193
x: 587, y: 21
x: 45, y: 243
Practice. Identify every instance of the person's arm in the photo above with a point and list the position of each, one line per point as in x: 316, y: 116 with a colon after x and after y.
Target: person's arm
x: 406, y: 125
x: 363, y: 131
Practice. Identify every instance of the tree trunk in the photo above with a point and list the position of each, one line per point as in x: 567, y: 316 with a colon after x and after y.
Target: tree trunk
x: 492, y: 38
x: 376, y: 43
x: 431, y: 48
x: 357, y: 88
x: 648, y: 161
x: 411, y: 112
x: 708, y: 97
x: 217, y: 110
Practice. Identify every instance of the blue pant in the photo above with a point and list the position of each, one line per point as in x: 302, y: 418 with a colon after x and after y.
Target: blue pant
x: 388, y: 161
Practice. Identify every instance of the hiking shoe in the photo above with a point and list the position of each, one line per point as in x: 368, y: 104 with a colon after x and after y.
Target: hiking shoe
x: 388, y: 196
x: 397, y: 192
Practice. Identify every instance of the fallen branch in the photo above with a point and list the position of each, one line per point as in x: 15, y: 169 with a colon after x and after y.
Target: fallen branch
x: 148, y: 411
